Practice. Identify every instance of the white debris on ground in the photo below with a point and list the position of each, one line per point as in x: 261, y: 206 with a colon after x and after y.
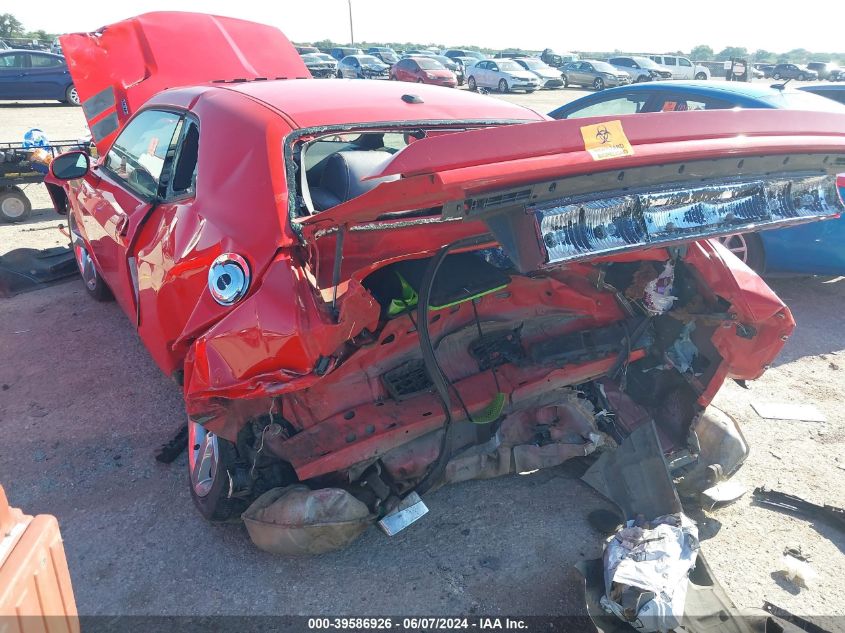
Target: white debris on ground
x: 646, y: 572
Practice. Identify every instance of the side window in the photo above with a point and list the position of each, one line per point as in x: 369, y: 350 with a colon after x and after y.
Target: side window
x: 587, y: 67
x: 684, y: 62
x: 138, y: 154
x: 626, y: 104
x: 670, y: 61
x: 13, y: 60
x: 44, y: 61
x: 682, y: 104
x: 185, y: 170
x: 492, y: 66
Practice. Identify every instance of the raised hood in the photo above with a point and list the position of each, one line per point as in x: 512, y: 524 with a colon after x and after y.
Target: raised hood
x: 559, y: 191
x: 117, y: 68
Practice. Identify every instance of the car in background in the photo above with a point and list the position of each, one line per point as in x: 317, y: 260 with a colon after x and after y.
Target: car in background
x: 320, y: 65
x: 456, y: 53
x: 465, y: 63
x: 56, y: 47
x: 339, y: 52
x: 836, y: 92
x: 4, y: 46
x: 27, y: 75
x: 640, y: 68
x: 512, y: 54
x: 794, y: 71
x: 548, y: 76
x: 423, y: 70
x: 362, y: 67
x: 556, y: 60
x: 305, y: 49
x: 766, y: 69
x: 594, y: 74
x: 503, y: 75
x: 822, y: 69
x: 451, y: 65
x: 384, y: 53
x: 809, y: 249
x: 681, y: 67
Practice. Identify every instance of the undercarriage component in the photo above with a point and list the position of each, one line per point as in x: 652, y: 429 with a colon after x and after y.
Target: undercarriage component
x: 497, y: 348
x: 407, y: 380
x: 409, y: 511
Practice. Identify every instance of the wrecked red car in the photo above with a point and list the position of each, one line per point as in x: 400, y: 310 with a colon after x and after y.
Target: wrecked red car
x: 369, y: 289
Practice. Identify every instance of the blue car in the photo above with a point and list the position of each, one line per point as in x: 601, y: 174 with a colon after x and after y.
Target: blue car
x: 35, y: 75
x: 818, y: 248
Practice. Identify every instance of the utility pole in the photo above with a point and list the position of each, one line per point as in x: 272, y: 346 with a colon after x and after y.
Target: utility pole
x: 351, y: 33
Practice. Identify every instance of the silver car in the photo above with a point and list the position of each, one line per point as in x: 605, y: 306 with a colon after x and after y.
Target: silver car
x: 503, y: 75
x: 594, y: 74
x: 550, y: 77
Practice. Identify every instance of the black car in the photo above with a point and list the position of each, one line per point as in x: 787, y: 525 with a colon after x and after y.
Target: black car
x: 793, y: 71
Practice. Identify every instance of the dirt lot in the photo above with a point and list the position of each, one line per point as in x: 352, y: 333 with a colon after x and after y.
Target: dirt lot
x: 82, y: 409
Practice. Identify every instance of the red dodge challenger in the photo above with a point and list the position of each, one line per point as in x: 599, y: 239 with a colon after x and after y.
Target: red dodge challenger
x: 369, y: 289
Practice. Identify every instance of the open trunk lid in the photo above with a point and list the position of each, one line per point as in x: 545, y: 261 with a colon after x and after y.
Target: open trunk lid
x: 119, y: 67
x: 559, y: 191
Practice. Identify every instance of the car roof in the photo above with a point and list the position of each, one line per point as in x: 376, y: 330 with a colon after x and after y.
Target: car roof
x: 29, y: 50
x: 741, y: 94
x: 313, y: 102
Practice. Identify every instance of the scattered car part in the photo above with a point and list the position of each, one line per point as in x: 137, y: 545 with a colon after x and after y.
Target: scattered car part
x: 409, y: 511
x: 801, y: 623
x: 791, y: 504
x: 797, y: 571
x: 722, y: 493
x: 297, y: 520
x: 788, y: 411
x: 26, y: 269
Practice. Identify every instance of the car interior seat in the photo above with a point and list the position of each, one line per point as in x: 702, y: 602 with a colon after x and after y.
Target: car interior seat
x: 343, y: 177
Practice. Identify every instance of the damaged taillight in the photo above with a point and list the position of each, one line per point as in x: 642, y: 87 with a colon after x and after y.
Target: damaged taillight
x: 574, y: 228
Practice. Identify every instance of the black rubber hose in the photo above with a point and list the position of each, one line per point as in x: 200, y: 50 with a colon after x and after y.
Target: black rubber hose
x: 438, y: 378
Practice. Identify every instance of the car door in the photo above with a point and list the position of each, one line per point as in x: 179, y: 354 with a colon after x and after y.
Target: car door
x: 686, y: 70
x: 13, y: 84
x: 120, y: 190
x: 588, y: 73
x: 48, y: 75
x: 492, y: 75
x: 671, y: 63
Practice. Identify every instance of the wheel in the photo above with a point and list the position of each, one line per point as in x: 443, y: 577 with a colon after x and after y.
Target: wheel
x: 94, y: 284
x: 748, y: 247
x: 72, y: 96
x: 565, y: 81
x: 776, y: 76
x: 801, y: 77
x: 471, y: 84
x: 503, y: 86
x: 211, y: 459
x: 701, y: 76
x: 598, y: 84
x: 529, y: 91
x: 14, y: 205
x: 420, y: 81
x: 339, y: 75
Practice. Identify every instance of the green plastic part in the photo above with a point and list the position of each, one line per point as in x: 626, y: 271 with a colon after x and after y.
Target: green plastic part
x: 492, y: 412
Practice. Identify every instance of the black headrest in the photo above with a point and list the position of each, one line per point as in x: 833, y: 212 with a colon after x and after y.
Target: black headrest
x: 343, y: 177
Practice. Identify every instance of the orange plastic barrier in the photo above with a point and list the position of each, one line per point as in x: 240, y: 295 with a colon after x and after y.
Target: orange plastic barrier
x: 35, y: 590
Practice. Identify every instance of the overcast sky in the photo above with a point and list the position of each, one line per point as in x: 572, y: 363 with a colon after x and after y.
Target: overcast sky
x: 561, y: 24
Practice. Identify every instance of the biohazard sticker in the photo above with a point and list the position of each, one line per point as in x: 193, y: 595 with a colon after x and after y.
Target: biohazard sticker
x: 606, y: 140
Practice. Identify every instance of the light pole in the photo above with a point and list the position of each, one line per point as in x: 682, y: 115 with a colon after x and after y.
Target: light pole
x: 351, y: 33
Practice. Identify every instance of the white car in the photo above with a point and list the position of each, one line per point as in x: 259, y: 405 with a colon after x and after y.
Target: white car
x: 549, y: 77
x: 503, y: 75
x: 681, y: 67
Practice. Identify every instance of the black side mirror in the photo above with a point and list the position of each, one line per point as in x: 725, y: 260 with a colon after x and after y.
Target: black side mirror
x: 70, y: 166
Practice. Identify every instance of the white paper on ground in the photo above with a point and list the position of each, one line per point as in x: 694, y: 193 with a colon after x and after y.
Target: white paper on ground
x: 788, y: 411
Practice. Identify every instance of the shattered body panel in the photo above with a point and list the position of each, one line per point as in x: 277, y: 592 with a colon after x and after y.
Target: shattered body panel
x: 572, y: 290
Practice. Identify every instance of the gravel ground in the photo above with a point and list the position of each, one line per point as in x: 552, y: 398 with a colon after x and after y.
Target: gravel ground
x: 82, y: 409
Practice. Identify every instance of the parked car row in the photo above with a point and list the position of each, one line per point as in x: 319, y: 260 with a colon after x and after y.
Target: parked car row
x: 35, y: 75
